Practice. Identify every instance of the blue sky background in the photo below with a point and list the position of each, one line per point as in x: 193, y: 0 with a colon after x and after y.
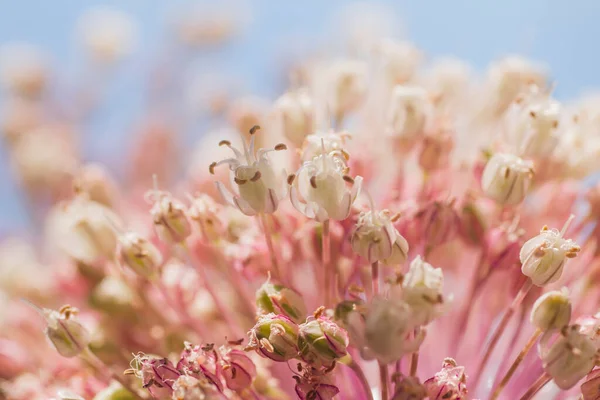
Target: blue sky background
x: 562, y: 34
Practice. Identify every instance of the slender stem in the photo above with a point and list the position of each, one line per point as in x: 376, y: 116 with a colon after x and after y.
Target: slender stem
x: 414, y: 359
x: 497, y: 333
x: 375, y: 277
x: 101, y: 367
x: 360, y: 375
x: 269, y: 239
x: 384, y: 377
x: 326, y: 264
x: 532, y: 340
x: 226, y: 314
x: 536, y: 386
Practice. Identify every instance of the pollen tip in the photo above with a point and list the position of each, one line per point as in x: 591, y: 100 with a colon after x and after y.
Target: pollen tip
x: 211, y: 168
x: 254, y: 129
x: 290, y: 179
x: 313, y: 181
x: 281, y: 146
x: 348, y: 179
x: 224, y: 143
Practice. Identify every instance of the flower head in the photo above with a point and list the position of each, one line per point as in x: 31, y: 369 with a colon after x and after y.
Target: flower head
x: 422, y: 291
x: 506, y: 178
x: 375, y: 239
x: 260, y: 188
x: 321, y: 341
x: 552, y: 310
x: 543, y: 257
x: 278, y: 299
x: 275, y: 337
x: 321, y: 182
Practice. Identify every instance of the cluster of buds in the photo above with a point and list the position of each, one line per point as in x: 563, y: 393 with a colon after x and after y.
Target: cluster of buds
x: 278, y: 299
x: 449, y: 383
x: 260, y: 187
x: 543, y: 257
x: 375, y: 239
x: 321, y: 183
x: 506, y: 178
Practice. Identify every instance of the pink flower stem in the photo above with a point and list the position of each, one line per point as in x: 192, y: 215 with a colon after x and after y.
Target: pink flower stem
x: 226, y: 314
x: 414, y: 360
x: 530, y: 343
x: 375, y: 277
x: 539, y: 383
x: 99, y: 365
x: 360, y: 375
x: 384, y: 377
x: 512, y: 345
x: 269, y: 239
x: 326, y: 264
x: 525, y: 288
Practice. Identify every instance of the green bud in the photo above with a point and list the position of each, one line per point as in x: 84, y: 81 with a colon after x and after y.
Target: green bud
x: 278, y: 299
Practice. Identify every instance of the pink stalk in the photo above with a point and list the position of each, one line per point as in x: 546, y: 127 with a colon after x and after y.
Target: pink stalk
x: 269, y: 239
x: 360, y: 375
x: 527, y: 285
x: 326, y: 264
x: 414, y: 360
x: 536, y: 386
x: 384, y: 377
x: 530, y: 343
x: 226, y: 314
x: 512, y: 345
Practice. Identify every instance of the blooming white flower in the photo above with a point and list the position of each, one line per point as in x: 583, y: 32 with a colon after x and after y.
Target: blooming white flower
x: 409, y: 112
x: 544, y: 256
x: 568, y: 358
x: 324, y: 143
x: 506, y: 178
x: 321, y: 182
x: 295, y: 111
x: 108, y: 34
x: 422, y: 291
x: 260, y: 187
x: 552, y: 310
x: 388, y: 324
x: 375, y: 238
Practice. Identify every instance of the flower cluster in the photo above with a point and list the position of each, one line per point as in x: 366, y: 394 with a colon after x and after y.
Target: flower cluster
x: 380, y: 218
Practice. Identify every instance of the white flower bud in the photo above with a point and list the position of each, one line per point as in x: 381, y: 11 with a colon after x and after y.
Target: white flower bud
x: 260, y: 188
x: 375, y: 239
x: 544, y: 256
x: 552, y: 310
x: 295, y: 110
x: 67, y: 335
x: 139, y: 254
x: 422, y: 291
x: 409, y: 112
x: 506, y: 178
x: 568, y: 358
x: 321, y: 183
x: 107, y: 34
x: 389, y: 322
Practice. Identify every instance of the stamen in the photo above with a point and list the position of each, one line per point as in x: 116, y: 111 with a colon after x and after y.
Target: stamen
x: 290, y: 179
x: 239, y: 181
x: 211, y: 168
x: 566, y: 225
x: 348, y: 179
x: 225, y: 143
x: 254, y: 129
x: 256, y: 176
x: 532, y: 114
x: 313, y: 181
x: 280, y: 147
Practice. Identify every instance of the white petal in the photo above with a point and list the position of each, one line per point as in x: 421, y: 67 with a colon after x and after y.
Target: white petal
x: 225, y: 194
x: 298, y: 205
x: 244, y: 206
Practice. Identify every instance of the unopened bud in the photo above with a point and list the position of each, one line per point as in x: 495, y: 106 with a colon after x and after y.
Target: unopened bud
x: 422, y: 291
x: 506, y: 178
x: 376, y: 239
x: 139, y: 254
x: 67, y: 335
x: 275, y: 337
x: 543, y: 257
x: 278, y: 299
x: 321, y: 342
x: 551, y: 311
